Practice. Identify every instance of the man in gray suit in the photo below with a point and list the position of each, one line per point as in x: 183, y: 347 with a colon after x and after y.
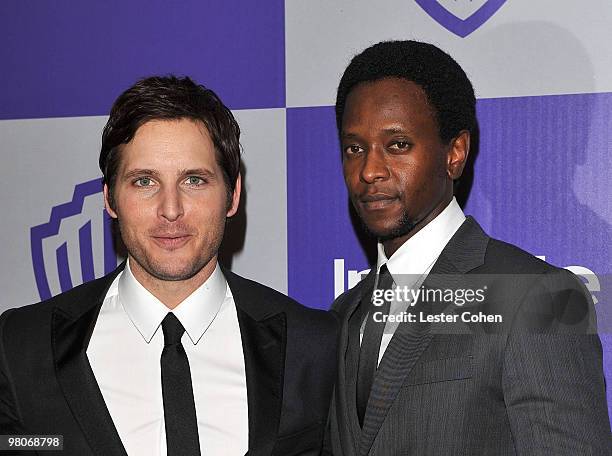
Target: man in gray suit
x: 516, y: 370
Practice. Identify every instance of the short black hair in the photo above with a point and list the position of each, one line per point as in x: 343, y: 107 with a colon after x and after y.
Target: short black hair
x: 448, y: 89
x: 170, y: 98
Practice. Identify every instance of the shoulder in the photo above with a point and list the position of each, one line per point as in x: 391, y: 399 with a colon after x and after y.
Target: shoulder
x: 499, y: 257
x: 503, y: 257
x: 72, y: 302
x: 259, y: 299
x: 510, y: 261
x: 547, y: 297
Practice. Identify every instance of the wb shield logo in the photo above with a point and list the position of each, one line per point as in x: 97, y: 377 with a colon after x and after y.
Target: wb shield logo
x: 76, y: 245
x: 461, y: 17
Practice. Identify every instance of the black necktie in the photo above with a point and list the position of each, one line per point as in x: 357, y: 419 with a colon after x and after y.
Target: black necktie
x: 370, y: 343
x: 179, y: 406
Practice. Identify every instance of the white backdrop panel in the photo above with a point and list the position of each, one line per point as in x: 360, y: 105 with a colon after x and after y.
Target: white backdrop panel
x: 526, y: 48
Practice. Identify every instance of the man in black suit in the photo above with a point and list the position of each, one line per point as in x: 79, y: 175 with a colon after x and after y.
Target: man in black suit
x: 516, y: 371
x: 171, y: 353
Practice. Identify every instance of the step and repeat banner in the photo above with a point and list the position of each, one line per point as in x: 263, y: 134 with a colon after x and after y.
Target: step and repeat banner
x: 540, y: 176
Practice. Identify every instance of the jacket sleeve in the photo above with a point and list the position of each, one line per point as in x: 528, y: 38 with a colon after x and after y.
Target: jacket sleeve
x: 10, y: 422
x: 552, y: 380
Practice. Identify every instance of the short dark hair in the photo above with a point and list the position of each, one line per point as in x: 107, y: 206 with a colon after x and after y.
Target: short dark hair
x: 170, y: 98
x: 449, y: 91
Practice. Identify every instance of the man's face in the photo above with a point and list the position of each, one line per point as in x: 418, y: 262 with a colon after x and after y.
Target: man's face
x: 170, y: 199
x: 398, y: 172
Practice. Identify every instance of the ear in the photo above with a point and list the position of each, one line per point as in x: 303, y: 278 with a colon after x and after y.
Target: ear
x: 458, y: 151
x: 107, y: 204
x: 235, y: 197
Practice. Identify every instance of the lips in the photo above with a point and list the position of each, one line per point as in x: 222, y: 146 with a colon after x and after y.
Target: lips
x: 376, y: 201
x: 171, y: 241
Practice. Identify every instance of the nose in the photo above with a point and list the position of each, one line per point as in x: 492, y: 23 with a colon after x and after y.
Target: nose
x: 374, y: 167
x: 170, y: 204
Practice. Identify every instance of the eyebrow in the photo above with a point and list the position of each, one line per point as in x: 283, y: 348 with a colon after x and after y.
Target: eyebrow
x: 184, y: 172
x: 389, y: 131
x: 198, y: 172
x: 140, y: 172
x: 394, y: 130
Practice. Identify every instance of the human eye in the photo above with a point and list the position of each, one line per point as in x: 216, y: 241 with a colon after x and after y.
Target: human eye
x: 143, y: 181
x: 400, y: 145
x: 352, y: 149
x: 195, y: 181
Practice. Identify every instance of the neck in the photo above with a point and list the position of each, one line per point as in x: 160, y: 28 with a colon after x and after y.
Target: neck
x: 172, y: 292
x: 392, y: 245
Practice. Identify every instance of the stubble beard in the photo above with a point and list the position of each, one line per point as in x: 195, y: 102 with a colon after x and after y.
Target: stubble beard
x: 403, y: 226
x: 160, y: 272
x: 165, y: 271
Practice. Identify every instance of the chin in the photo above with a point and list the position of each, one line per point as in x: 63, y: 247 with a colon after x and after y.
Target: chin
x: 389, y: 232
x: 171, y: 268
x: 173, y: 274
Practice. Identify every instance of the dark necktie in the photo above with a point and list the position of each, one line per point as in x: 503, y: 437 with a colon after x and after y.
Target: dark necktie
x: 370, y: 343
x: 179, y: 406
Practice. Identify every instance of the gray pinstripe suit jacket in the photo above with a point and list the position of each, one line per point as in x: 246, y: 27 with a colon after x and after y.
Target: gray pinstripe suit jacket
x: 514, y: 391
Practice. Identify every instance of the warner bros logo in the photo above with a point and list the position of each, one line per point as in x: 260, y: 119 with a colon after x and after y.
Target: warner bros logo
x: 461, y: 17
x: 75, y: 245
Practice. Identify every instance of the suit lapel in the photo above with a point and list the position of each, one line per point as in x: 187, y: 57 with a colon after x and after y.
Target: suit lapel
x: 263, y: 329
x: 405, y: 348
x: 464, y: 252
x: 72, y: 326
x: 350, y: 364
x: 348, y: 359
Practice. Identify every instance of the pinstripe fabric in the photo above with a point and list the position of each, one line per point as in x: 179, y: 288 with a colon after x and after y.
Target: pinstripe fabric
x: 370, y: 345
x: 406, y: 347
x: 479, y: 393
x: 346, y: 440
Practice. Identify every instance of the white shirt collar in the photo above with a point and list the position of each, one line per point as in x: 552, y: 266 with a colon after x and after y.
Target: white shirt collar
x: 419, y: 253
x: 195, y: 313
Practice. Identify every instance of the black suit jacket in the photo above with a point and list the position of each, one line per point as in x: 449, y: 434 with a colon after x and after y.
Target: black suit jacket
x: 47, y: 385
x: 532, y: 385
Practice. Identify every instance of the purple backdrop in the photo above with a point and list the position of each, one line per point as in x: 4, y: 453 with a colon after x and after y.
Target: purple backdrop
x: 74, y: 58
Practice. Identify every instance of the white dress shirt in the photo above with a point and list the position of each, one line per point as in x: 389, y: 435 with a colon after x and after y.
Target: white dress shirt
x: 411, y: 263
x: 125, y: 350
